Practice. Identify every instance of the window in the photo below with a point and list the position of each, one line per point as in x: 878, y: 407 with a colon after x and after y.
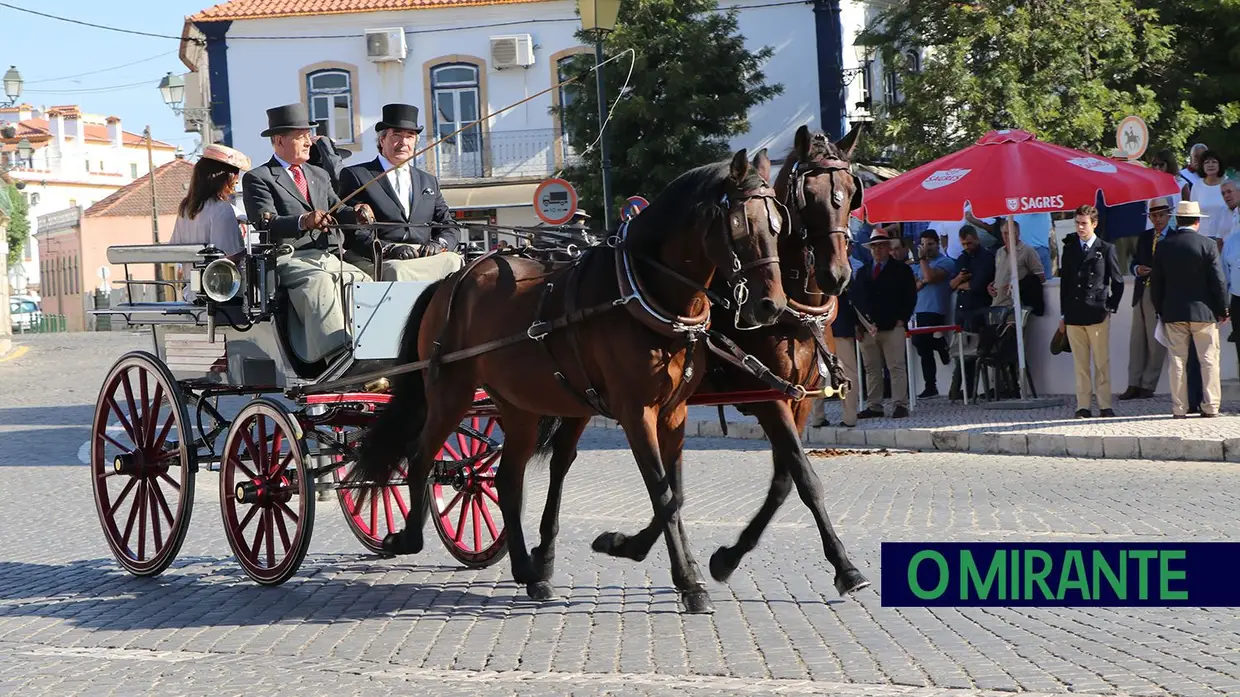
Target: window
x: 88, y: 165
x: 455, y: 102
x: 34, y: 199
x: 133, y: 170
x: 331, y: 103
x: 566, y: 98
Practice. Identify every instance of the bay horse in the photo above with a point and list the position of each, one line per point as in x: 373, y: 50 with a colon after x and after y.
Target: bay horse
x: 816, y: 185
x: 616, y: 332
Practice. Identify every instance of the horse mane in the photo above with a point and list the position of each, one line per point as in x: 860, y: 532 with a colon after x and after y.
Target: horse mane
x: 688, y: 200
x: 820, y: 148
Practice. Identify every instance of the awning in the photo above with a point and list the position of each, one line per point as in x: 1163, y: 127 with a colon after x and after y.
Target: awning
x: 483, y: 197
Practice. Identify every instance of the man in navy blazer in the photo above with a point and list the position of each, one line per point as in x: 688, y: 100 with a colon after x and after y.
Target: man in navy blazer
x: 424, y: 248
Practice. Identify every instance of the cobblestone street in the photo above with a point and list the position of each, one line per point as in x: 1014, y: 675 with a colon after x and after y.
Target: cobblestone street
x: 72, y: 622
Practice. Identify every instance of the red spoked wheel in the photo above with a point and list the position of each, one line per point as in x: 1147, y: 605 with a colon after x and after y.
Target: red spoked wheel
x: 267, y: 492
x: 464, y: 503
x: 372, y: 516
x: 141, y: 464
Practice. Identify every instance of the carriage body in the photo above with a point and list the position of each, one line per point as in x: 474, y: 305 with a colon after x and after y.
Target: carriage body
x: 224, y: 391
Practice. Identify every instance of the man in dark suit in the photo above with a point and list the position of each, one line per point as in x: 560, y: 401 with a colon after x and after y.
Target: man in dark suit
x: 1090, y: 289
x: 1145, y: 354
x: 1190, y: 296
x: 402, y: 193
x: 290, y: 199
x: 886, y: 294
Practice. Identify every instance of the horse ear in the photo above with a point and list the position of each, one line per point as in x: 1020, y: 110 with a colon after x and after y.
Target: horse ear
x: 849, y: 142
x: 803, y: 139
x: 762, y: 163
x: 740, y: 165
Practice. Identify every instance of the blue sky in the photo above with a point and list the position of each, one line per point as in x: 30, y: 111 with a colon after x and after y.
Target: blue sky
x: 46, y: 49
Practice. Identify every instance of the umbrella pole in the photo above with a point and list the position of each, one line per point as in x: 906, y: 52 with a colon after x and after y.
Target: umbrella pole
x: 1020, y: 328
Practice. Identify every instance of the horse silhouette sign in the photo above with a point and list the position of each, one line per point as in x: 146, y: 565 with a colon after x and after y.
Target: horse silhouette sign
x: 1132, y: 137
x: 555, y: 201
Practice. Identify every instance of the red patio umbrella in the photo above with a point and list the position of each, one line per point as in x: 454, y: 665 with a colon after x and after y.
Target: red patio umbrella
x: 1010, y: 172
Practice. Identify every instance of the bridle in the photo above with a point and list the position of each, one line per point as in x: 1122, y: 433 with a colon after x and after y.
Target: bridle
x: 797, y: 203
x: 738, y: 229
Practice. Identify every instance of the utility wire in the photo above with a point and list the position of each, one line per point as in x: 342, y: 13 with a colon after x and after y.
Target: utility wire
x: 92, y: 90
x: 90, y: 24
x: 101, y: 70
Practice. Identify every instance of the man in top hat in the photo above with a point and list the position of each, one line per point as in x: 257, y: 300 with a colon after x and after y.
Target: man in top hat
x: 402, y: 193
x: 1190, y: 296
x: 1145, y: 354
x: 290, y: 199
x: 886, y: 296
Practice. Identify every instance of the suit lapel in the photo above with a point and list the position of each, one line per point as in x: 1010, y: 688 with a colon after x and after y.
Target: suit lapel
x: 286, y: 180
x: 385, y: 183
x: 415, y: 193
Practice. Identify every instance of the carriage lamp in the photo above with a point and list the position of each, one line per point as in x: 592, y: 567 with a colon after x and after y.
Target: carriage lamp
x: 221, y: 280
x: 12, y: 85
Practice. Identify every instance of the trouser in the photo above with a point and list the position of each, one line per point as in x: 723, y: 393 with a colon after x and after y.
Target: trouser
x: 1184, y: 337
x: 846, y: 352
x: 1092, y: 341
x: 928, y: 345
x: 1145, y: 354
x: 886, y: 349
x: 430, y: 268
x: 312, y: 278
x: 1193, y: 369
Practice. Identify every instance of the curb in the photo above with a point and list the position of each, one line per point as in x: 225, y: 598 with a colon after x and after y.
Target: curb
x: 981, y: 442
x: 17, y: 351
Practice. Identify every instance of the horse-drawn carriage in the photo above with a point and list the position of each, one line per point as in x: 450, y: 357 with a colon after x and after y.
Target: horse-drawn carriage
x: 302, y: 430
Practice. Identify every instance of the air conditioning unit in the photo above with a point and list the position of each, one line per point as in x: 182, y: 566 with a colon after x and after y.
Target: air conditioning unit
x: 514, y: 51
x: 385, y: 45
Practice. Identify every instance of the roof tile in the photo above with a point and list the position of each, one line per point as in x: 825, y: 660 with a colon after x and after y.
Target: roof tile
x: 134, y: 199
x: 267, y: 9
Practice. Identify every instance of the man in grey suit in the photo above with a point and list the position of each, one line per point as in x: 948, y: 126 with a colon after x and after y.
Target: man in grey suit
x: 402, y: 194
x: 1190, y: 297
x: 290, y: 199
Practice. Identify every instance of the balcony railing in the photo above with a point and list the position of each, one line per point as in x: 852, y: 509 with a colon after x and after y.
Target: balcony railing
x: 473, y: 155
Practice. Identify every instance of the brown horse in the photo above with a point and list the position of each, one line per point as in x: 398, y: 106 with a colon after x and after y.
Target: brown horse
x: 615, y: 332
x: 815, y: 182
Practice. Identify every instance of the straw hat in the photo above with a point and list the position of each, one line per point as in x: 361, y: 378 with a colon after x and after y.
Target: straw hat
x: 1189, y: 209
x: 878, y: 236
x: 227, y: 155
x: 1159, y: 205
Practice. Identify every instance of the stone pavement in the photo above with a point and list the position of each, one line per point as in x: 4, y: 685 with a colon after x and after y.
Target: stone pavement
x: 72, y: 623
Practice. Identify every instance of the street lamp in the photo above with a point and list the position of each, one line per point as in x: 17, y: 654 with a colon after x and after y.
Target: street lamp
x: 172, y: 90
x: 864, y: 53
x: 24, y: 151
x: 599, y: 17
x: 12, y: 85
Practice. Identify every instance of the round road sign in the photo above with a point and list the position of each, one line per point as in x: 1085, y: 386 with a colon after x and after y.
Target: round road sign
x: 555, y: 201
x: 632, y: 206
x: 1132, y: 137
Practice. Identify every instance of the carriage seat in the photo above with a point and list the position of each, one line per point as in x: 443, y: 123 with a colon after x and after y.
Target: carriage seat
x: 155, y: 254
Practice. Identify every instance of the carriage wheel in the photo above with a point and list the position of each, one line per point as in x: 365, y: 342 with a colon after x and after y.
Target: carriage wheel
x: 267, y: 492
x: 466, y: 512
x: 141, y: 465
x: 371, y: 517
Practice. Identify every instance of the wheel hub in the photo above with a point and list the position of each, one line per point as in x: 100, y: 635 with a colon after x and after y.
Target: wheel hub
x: 264, y: 491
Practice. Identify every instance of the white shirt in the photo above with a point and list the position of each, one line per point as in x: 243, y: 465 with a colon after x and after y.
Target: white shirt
x: 1210, y: 198
x: 401, y: 180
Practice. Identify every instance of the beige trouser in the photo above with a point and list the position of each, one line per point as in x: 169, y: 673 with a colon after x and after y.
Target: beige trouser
x: 1205, y: 338
x: 312, y: 278
x: 430, y: 268
x: 846, y: 351
x: 1092, y: 340
x: 885, y: 349
x: 1145, y: 354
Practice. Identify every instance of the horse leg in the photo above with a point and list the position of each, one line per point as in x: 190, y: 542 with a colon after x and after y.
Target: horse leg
x: 562, y: 458
x: 520, y: 443
x: 636, y: 547
x: 653, y: 444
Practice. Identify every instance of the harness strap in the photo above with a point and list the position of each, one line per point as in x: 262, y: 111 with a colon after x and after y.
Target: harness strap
x: 734, y: 355
x: 538, y: 332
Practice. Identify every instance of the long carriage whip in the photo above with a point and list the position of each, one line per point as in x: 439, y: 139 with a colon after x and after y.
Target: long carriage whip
x: 497, y: 113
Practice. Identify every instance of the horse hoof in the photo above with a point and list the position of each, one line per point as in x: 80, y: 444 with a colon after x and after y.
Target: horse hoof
x: 850, y: 582
x: 543, y: 565
x: 721, y: 567
x: 697, y: 602
x: 397, y: 544
x: 610, y: 543
x: 539, y: 590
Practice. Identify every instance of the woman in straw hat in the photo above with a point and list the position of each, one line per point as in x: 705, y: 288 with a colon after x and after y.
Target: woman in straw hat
x: 205, y: 215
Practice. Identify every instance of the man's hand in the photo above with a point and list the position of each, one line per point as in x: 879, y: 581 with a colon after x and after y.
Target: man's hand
x: 364, y: 214
x: 1061, y: 325
x: 400, y: 252
x: 317, y: 220
x: 1143, y: 271
x: 991, y: 289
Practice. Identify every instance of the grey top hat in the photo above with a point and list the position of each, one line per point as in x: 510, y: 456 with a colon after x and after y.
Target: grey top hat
x: 290, y: 117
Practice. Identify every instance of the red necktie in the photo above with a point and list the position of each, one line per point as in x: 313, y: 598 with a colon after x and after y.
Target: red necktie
x: 877, y: 269
x: 300, y: 180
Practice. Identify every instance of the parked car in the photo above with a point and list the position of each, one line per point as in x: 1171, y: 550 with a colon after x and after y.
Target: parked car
x: 25, y: 312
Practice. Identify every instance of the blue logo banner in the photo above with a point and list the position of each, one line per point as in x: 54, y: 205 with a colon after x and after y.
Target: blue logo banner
x: 1060, y: 574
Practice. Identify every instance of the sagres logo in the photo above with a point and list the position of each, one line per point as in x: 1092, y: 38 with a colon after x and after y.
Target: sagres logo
x: 1093, y: 164
x: 943, y: 177
x: 1035, y: 203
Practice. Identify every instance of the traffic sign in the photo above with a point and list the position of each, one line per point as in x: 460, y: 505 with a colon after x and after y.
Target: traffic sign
x: 1132, y: 137
x: 632, y: 206
x: 555, y: 201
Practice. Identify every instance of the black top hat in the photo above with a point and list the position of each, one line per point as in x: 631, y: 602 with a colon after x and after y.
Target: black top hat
x: 290, y: 117
x: 404, y: 116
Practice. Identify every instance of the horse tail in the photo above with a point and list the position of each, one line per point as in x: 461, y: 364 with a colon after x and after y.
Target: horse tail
x: 547, y: 428
x: 401, y: 422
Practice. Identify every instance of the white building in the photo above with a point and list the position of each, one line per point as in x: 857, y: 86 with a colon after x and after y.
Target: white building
x: 77, y: 159
x: 460, y: 59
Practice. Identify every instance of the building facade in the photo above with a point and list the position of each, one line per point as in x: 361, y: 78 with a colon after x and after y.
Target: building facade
x: 77, y: 160
x: 74, y: 241
x: 458, y: 60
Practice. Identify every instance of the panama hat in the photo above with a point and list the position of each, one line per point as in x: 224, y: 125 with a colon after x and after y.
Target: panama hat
x: 1159, y: 205
x: 879, y: 235
x: 227, y: 155
x: 1189, y: 209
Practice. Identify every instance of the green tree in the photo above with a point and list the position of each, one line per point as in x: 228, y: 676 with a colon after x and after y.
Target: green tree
x: 1066, y: 70
x: 19, y: 222
x: 692, y: 87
